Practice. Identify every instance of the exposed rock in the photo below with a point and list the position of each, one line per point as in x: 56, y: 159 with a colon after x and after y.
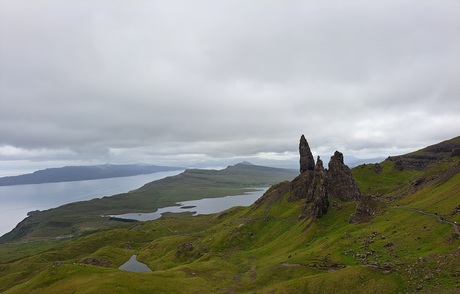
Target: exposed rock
x: 317, y: 190
x: 317, y: 185
x: 273, y: 195
x: 57, y: 263
x: 300, y: 186
x: 417, y: 182
x: 97, y: 262
x: 336, y: 205
x: 339, y: 180
x: 32, y: 213
x: 184, y: 249
x: 377, y: 168
x: 306, y: 158
x: 398, y: 164
x: 422, y: 158
x: 365, y: 208
x: 455, y: 152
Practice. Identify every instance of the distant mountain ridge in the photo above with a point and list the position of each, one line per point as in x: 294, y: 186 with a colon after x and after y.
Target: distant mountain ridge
x: 82, y: 173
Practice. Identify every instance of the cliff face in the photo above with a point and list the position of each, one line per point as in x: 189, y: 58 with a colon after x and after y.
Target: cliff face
x: 420, y: 159
x: 339, y: 181
x: 317, y: 185
x: 318, y: 192
x: 307, y: 163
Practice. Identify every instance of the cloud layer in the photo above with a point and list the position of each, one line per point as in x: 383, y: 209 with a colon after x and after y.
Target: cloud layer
x: 156, y: 80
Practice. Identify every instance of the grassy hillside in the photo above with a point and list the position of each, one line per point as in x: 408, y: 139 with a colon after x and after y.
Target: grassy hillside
x: 409, y: 246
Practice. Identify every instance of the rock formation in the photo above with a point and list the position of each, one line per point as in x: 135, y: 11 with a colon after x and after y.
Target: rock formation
x: 307, y: 163
x: 366, y: 208
x: 317, y: 185
x: 339, y: 180
x: 317, y: 191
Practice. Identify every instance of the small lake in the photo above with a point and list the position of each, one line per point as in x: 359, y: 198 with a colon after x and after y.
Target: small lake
x: 202, y: 206
x: 132, y: 265
x: 17, y: 201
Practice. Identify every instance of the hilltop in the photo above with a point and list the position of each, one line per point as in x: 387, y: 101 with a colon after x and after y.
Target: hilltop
x: 377, y: 228
x: 82, y: 173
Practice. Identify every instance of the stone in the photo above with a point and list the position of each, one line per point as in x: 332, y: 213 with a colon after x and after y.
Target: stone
x: 320, y: 201
x: 307, y: 163
x: 299, y: 187
x: 317, y: 185
x: 184, y: 249
x: 366, y: 207
x: 339, y: 181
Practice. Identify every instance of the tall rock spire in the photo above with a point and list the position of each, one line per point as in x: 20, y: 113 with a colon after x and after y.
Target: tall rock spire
x: 318, y: 191
x: 306, y: 158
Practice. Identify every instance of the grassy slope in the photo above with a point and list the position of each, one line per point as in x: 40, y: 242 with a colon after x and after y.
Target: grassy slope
x: 266, y: 249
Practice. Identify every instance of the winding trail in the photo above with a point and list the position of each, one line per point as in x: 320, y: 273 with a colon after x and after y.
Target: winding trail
x: 438, y: 217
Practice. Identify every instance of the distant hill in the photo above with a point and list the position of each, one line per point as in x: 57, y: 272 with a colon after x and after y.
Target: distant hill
x: 82, y: 173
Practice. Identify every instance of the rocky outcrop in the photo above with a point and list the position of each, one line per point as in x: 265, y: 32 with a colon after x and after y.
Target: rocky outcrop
x: 317, y: 185
x: 96, y: 262
x: 366, y: 208
x: 339, y: 181
x: 420, y: 159
x: 319, y: 198
x: 307, y: 163
x: 455, y: 152
x: 300, y: 187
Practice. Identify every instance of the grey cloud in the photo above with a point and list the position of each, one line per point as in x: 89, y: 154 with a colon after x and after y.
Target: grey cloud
x: 227, y: 79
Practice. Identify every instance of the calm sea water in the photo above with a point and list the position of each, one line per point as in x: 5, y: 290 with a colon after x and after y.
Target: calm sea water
x: 16, y: 201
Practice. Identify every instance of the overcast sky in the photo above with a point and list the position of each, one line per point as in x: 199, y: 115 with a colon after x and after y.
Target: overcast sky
x: 172, y: 82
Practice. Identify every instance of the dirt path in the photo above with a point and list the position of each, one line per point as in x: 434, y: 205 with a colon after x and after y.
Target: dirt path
x: 438, y: 217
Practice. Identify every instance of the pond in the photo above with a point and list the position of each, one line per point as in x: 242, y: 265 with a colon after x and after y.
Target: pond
x: 132, y: 265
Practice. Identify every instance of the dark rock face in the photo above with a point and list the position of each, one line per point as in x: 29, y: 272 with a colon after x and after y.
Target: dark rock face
x: 366, y: 207
x: 300, y: 187
x: 317, y: 190
x: 317, y: 185
x: 455, y: 152
x: 422, y: 158
x: 339, y: 181
x: 307, y: 163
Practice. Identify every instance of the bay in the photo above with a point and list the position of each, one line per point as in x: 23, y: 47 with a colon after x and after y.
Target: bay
x: 17, y: 201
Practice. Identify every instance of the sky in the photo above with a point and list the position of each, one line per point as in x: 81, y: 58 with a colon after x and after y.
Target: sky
x: 181, y: 82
